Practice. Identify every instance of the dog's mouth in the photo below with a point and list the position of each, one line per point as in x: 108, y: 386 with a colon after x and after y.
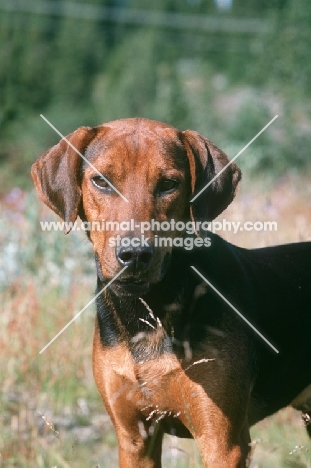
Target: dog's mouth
x: 130, y: 287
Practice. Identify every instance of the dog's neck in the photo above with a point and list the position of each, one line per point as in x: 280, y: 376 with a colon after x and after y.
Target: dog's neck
x: 160, y: 317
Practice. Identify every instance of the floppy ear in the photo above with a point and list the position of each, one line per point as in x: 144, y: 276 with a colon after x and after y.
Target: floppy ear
x: 206, y: 161
x: 57, y: 174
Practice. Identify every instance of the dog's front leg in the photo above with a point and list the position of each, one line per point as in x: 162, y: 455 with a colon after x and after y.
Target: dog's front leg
x: 140, y: 441
x: 222, y: 452
x: 137, y: 449
x: 214, y: 402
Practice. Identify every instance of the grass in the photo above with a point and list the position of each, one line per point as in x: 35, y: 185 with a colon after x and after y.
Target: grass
x: 51, y: 413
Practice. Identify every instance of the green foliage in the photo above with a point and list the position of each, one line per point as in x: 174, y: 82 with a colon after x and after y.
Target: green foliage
x: 141, y: 82
x: 79, y: 51
x: 26, y: 50
x: 84, y: 71
x: 131, y: 81
x: 284, y: 59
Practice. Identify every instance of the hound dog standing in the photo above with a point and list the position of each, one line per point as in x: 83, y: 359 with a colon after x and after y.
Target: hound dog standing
x: 170, y: 355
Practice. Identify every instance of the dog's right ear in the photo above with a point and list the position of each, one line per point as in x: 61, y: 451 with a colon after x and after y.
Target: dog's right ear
x: 57, y: 174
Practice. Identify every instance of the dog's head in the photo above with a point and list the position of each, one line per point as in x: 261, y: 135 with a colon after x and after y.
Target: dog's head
x: 129, y: 179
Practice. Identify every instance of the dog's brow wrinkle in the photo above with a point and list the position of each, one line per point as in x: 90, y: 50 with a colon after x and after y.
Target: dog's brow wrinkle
x: 135, y: 141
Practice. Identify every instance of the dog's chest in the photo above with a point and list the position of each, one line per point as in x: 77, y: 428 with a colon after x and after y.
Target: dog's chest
x: 160, y: 390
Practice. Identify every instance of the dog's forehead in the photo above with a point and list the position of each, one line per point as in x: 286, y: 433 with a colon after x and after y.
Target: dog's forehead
x: 142, y: 130
x: 138, y: 125
x: 141, y: 135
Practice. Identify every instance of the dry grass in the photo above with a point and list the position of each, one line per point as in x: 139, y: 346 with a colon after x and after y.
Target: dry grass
x: 287, y: 202
x: 51, y: 414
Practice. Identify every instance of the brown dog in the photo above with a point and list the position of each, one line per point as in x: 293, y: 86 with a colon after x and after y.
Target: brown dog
x: 170, y: 355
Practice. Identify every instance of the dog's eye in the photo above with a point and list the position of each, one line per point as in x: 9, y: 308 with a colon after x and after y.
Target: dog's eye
x: 167, y: 185
x: 101, y: 183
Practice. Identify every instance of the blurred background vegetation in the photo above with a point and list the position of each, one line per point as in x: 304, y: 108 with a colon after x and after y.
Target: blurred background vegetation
x: 221, y: 67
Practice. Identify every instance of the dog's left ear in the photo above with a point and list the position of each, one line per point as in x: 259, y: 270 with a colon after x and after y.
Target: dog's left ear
x: 206, y: 162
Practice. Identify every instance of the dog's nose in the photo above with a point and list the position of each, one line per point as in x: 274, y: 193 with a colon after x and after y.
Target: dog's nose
x: 136, y: 258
